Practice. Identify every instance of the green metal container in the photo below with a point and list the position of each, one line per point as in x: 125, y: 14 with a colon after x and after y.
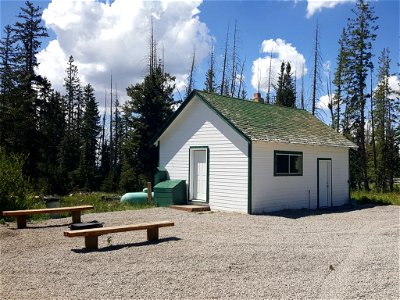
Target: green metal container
x: 170, y: 192
x: 161, y: 175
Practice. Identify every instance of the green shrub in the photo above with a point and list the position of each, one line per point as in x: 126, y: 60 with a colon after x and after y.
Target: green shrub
x: 102, y: 202
x: 13, y: 185
x: 375, y: 197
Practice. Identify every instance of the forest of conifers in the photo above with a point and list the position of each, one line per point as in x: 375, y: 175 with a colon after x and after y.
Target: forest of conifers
x: 56, y: 141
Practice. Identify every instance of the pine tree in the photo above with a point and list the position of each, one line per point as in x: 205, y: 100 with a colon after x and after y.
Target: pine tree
x: 29, y: 31
x: 361, y: 34
x: 285, y: 92
x: 24, y: 107
x: 51, y: 129
x: 72, y: 97
x: 150, y: 105
x: 209, y: 84
x: 118, y: 129
x: 381, y: 99
x: 7, y: 60
x: 7, y: 80
x: 386, y: 116
x: 70, y: 146
x: 90, y: 132
x: 339, y: 79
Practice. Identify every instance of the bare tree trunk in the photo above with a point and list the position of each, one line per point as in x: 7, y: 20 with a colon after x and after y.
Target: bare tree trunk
x: 330, y: 104
x: 234, y: 54
x: 152, y: 49
x: 111, y: 126
x: 373, y: 127
x: 315, y: 72
x: 189, y: 87
x: 302, y: 89
x: 222, y: 92
x: 268, y: 99
x: 241, y: 79
x: 103, y: 130
x: 117, y: 133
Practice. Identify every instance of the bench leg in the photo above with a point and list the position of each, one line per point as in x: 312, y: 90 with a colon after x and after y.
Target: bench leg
x: 76, y: 216
x: 21, y: 222
x: 92, y: 242
x: 152, y: 234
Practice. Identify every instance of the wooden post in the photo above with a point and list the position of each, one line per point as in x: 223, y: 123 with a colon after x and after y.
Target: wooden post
x: 21, y: 221
x: 152, y: 234
x: 91, y: 242
x: 149, y: 198
x: 76, y: 216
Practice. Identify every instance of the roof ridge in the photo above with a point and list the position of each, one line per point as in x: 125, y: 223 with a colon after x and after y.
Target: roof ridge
x: 249, y: 101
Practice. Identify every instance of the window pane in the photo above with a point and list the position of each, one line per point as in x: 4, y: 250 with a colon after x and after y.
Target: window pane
x: 282, y: 164
x: 288, y: 163
x: 295, y: 164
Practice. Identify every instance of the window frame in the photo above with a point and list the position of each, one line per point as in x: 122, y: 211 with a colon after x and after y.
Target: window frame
x: 287, y: 153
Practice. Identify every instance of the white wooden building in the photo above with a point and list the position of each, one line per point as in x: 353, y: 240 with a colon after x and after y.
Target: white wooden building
x: 245, y: 156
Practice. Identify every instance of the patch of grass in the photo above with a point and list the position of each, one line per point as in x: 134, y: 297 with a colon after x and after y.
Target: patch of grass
x: 376, y: 197
x: 102, y: 202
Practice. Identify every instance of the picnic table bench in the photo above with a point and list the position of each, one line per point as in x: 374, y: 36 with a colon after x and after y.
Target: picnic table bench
x: 91, y: 235
x: 21, y: 215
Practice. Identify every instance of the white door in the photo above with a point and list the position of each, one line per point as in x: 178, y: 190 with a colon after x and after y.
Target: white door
x: 199, y: 175
x: 325, y: 182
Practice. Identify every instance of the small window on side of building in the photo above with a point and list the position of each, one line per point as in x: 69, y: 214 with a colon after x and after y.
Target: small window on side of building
x: 288, y: 163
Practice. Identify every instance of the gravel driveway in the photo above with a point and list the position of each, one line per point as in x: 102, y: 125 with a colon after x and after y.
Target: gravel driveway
x: 347, y: 253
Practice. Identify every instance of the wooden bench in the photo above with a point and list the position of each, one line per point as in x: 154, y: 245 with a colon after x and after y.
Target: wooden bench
x: 91, y: 235
x: 21, y: 215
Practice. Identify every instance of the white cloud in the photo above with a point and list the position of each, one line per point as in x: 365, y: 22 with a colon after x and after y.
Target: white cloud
x: 323, y: 103
x: 326, y: 66
x: 394, y: 84
x: 281, y: 51
x: 105, y: 38
x: 314, y: 6
x: 53, y: 63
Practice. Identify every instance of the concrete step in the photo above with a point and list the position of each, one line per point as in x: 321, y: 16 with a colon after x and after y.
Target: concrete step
x: 191, y: 207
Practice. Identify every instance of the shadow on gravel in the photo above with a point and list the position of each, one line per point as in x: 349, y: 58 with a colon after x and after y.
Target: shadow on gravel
x: 301, y: 213
x: 118, y: 247
x: 43, y: 226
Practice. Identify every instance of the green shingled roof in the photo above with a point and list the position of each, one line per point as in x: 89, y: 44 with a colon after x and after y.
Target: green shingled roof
x: 266, y: 122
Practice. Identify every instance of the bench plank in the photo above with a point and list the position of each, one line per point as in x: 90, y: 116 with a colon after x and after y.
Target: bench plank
x: 91, y: 235
x: 13, y: 213
x: 22, y: 214
x: 106, y: 230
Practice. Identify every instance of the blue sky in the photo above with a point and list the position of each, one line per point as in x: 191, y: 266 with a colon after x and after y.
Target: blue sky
x: 113, y: 37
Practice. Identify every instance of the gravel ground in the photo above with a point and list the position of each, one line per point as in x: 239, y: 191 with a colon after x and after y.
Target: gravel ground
x: 343, y: 254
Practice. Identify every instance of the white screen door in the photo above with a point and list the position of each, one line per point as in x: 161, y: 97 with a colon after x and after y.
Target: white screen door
x: 199, y: 175
x: 325, y: 182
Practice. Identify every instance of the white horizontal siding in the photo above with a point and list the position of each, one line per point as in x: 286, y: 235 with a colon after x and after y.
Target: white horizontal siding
x: 198, y: 125
x: 272, y: 193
